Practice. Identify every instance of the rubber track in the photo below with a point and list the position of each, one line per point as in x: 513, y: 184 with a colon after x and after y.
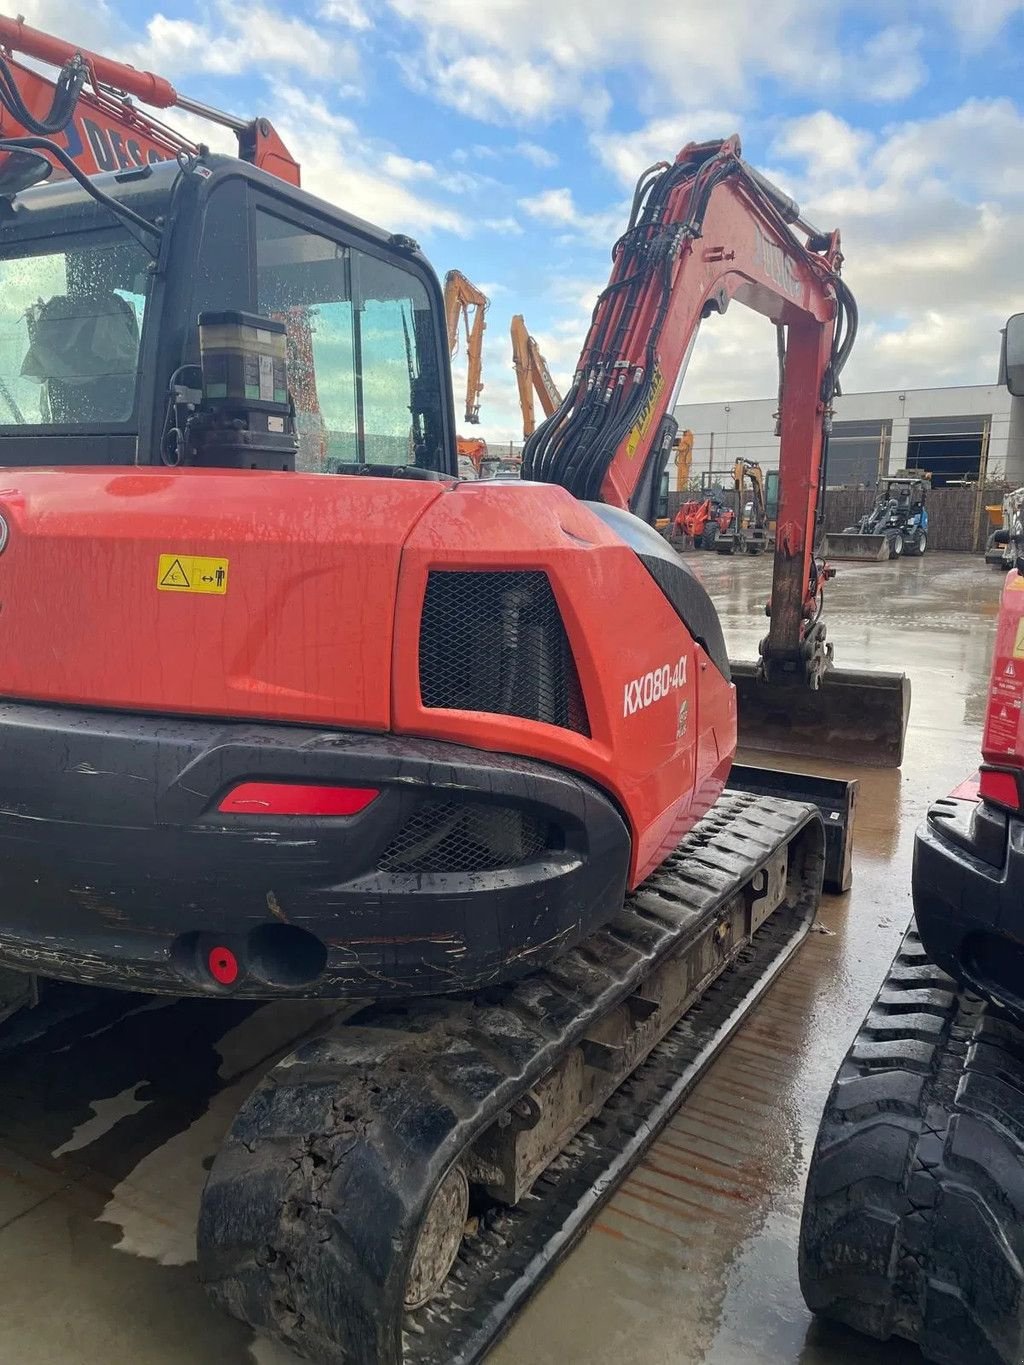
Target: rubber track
x: 310, y: 1215
x: 913, y: 1221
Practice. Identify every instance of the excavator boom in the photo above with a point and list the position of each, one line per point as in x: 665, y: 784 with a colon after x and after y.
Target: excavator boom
x: 90, y: 106
x: 704, y: 231
x: 532, y: 375
x: 465, y: 303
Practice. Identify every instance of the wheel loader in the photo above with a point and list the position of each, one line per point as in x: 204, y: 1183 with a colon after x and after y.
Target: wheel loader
x: 290, y: 710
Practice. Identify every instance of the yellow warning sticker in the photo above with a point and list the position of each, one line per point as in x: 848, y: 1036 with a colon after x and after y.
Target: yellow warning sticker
x: 1018, y: 644
x: 192, y: 573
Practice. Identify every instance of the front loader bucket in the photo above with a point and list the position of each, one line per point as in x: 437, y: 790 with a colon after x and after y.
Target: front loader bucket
x: 854, y: 717
x: 854, y: 545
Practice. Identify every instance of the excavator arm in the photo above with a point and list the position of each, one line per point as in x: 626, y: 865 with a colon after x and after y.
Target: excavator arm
x: 464, y: 302
x: 703, y: 231
x: 532, y: 375
x: 89, y: 109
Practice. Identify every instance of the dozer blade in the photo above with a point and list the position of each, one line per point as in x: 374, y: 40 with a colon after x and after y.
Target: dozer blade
x: 853, y: 545
x: 835, y: 798
x: 855, y: 717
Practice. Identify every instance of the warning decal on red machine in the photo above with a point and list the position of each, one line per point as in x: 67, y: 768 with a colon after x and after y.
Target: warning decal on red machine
x: 1002, y: 721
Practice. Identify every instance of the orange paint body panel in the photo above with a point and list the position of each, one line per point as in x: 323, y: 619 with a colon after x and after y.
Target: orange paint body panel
x: 665, y: 765
x: 303, y: 632
x: 320, y: 620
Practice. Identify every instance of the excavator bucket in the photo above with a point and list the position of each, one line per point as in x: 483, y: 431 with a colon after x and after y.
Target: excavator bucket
x: 855, y: 545
x: 855, y: 717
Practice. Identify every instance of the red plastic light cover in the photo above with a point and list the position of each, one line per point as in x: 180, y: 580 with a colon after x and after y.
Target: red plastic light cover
x: 1000, y: 787
x: 293, y: 798
x: 223, y: 966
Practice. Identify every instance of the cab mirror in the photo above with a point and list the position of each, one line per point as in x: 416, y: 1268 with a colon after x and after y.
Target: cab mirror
x: 1012, y: 367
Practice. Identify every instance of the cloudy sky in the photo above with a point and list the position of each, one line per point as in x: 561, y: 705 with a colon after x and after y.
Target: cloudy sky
x: 506, y: 136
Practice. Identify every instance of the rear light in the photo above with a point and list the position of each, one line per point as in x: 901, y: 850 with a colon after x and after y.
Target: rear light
x: 290, y: 798
x: 1000, y: 786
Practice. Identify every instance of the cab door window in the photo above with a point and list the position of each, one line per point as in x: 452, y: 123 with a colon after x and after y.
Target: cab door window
x: 361, y: 350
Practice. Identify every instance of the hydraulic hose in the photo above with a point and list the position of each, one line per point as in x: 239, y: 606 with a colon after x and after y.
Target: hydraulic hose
x: 68, y: 87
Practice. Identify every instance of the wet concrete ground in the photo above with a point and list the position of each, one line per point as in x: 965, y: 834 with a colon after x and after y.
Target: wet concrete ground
x: 108, y: 1121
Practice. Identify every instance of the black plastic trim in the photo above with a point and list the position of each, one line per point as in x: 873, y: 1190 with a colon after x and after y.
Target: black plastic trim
x: 116, y: 866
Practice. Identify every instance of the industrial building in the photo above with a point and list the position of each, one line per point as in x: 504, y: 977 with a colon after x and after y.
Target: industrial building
x: 961, y: 433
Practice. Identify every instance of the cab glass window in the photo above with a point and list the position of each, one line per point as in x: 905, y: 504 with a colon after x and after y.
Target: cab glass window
x: 362, y: 350
x: 71, y: 319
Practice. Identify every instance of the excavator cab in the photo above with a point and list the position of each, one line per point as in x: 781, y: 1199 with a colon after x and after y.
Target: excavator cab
x: 100, y: 340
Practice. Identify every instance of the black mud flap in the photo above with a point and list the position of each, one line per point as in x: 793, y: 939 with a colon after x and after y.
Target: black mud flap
x: 835, y: 798
x: 854, y: 716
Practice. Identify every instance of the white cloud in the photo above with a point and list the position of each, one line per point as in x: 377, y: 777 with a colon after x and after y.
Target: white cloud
x: 240, y: 41
x: 628, y: 154
x: 536, y: 154
x: 552, y: 206
x: 347, y: 169
x: 932, y: 219
x: 526, y: 60
x: 979, y: 23
x: 348, y: 12
x: 402, y: 168
x: 509, y: 227
x: 557, y: 208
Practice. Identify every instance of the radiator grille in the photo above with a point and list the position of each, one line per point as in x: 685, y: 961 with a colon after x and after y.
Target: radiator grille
x: 495, y: 642
x: 445, y: 836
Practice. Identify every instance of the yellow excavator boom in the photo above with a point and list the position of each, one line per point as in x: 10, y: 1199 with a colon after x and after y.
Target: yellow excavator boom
x: 464, y: 302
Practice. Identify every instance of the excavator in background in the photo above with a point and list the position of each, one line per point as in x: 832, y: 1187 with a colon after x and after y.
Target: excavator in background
x: 459, y: 749
x: 466, y: 304
x: 680, y: 463
x: 747, y: 529
x: 532, y: 375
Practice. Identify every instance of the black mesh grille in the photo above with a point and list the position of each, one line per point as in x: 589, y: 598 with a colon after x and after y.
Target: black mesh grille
x: 444, y: 836
x: 495, y: 642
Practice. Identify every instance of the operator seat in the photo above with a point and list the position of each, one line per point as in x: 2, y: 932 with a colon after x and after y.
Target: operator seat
x: 83, y: 350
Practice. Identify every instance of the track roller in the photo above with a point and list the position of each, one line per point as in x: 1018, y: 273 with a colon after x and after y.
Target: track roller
x: 913, y: 1222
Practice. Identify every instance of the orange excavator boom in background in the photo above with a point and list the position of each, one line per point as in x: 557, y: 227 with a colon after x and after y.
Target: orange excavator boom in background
x: 532, y: 375
x: 465, y: 303
x: 90, y: 109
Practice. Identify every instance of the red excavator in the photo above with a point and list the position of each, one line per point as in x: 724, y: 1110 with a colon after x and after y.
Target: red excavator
x: 290, y: 710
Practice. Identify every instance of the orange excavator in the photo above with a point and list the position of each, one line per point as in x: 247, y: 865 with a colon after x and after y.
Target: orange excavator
x: 466, y: 304
x: 532, y: 376
x: 275, y: 729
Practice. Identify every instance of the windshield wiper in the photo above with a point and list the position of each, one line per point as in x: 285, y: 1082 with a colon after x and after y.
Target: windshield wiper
x: 146, y: 233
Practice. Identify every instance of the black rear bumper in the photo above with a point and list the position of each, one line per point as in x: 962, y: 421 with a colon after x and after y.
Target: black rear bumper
x: 969, y: 896
x: 117, y: 868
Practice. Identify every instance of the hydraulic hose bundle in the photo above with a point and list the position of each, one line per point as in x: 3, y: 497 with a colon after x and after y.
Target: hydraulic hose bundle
x: 611, y: 390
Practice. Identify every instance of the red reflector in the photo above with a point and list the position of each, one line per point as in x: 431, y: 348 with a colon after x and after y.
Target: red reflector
x: 1000, y: 787
x: 223, y: 966
x: 288, y: 798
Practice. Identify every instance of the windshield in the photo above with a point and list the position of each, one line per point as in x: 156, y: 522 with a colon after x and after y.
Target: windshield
x: 362, y: 350
x: 70, y: 321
